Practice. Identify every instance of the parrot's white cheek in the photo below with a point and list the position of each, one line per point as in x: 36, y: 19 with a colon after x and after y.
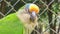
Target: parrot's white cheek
x: 29, y: 25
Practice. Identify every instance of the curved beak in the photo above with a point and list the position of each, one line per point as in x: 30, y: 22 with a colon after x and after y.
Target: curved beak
x: 33, y: 16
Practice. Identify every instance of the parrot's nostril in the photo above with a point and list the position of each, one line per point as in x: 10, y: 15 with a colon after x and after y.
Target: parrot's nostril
x: 33, y: 14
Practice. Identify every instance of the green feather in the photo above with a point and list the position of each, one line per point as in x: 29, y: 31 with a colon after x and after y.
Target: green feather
x: 11, y: 25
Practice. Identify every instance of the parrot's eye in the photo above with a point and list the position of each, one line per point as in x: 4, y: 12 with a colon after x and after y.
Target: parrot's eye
x: 34, y: 7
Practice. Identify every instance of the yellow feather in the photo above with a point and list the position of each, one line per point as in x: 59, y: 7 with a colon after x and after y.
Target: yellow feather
x: 34, y: 7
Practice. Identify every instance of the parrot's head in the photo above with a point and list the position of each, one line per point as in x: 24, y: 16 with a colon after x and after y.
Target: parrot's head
x: 28, y: 15
x: 33, y: 10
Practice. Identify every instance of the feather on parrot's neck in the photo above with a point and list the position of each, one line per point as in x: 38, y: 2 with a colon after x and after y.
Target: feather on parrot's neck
x: 25, y: 18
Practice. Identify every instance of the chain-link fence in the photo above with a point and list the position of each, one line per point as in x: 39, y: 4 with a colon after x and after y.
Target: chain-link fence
x: 49, y: 16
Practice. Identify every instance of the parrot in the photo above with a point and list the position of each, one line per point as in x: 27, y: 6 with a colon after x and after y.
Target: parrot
x: 21, y: 22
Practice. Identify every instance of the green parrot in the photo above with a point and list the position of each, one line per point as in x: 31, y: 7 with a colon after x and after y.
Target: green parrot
x: 21, y: 22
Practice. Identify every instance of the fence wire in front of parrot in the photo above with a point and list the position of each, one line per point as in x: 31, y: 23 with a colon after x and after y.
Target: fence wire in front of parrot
x: 48, y: 17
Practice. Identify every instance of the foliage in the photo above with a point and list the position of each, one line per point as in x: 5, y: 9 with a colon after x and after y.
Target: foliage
x: 56, y: 7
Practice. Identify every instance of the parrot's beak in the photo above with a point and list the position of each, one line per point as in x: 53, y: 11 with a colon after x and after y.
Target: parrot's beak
x: 33, y: 16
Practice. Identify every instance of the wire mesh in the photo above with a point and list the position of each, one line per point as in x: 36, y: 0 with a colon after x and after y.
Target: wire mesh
x: 44, y: 26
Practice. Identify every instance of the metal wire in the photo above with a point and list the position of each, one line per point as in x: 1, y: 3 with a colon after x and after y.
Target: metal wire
x: 44, y: 20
